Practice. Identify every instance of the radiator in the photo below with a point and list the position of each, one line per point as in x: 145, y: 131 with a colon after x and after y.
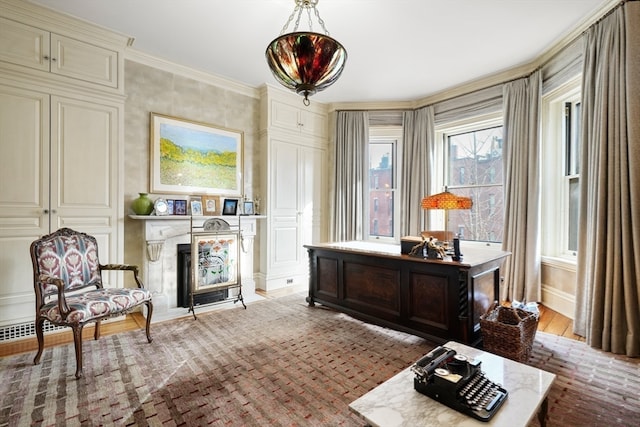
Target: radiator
x: 25, y: 330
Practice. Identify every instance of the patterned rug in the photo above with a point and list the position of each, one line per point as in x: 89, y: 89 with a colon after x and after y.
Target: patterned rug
x: 592, y: 387
x: 278, y: 363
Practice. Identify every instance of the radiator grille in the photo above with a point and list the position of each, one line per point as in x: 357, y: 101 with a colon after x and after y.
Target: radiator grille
x: 24, y: 330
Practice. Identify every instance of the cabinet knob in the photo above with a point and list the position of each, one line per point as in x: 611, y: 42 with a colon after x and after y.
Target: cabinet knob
x: 47, y: 211
x: 46, y: 58
x: 53, y: 59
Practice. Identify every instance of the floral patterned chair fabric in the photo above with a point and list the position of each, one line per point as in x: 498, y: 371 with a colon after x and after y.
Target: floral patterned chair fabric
x: 67, y: 278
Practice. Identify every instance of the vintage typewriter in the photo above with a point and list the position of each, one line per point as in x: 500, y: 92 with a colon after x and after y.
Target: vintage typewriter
x: 458, y: 382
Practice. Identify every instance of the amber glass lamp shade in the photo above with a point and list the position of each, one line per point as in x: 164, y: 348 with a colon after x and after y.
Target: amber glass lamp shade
x: 306, y: 62
x: 446, y: 201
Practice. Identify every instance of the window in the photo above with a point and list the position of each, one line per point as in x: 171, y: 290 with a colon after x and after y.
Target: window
x: 571, y: 145
x: 383, y: 176
x: 561, y: 171
x: 473, y: 168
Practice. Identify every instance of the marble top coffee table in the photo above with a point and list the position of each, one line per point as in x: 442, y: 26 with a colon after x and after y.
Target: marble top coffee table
x: 395, y: 402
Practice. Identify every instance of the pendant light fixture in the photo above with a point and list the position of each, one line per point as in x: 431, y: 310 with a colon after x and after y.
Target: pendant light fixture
x: 306, y: 61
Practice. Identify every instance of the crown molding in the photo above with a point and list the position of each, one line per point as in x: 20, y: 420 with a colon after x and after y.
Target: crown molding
x: 62, y: 23
x: 172, y: 67
x: 580, y: 28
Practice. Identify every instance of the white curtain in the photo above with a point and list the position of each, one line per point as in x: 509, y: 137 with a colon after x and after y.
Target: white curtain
x: 418, y: 155
x: 352, y: 139
x: 608, y: 285
x: 521, y: 109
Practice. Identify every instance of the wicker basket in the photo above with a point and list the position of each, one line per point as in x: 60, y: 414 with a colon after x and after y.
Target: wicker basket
x: 509, y: 332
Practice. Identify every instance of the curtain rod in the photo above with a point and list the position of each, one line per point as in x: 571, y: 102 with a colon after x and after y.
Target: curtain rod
x: 609, y: 12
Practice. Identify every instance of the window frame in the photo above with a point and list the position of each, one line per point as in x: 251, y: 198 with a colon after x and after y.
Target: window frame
x: 555, y: 225
x: 444, y: 130
x: 385, y: 134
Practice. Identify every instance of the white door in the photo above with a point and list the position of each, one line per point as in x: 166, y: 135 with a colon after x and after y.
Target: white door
x: 297, y: 192
x: 58, y: 172
x: 313, y: 176
x: 284, y: 215
x: 24, y: 194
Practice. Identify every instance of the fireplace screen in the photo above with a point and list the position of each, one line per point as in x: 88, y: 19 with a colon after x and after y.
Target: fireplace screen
x: 216, y: 260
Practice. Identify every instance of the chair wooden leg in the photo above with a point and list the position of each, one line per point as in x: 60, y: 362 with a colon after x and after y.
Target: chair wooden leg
x: 77, y: 340
x: 96, y: 332
x: 40, y: 334
x: 149, y: 305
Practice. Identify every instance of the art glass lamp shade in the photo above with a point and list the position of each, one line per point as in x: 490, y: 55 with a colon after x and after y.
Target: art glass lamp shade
x: 306, y: 62
x: 446, y: 201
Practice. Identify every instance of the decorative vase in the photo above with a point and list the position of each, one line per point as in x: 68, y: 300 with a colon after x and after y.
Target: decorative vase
x: 143, y: 205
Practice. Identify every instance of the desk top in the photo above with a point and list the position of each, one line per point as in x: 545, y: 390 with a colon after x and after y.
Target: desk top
x: 395, y: 403
x: 473, y: 253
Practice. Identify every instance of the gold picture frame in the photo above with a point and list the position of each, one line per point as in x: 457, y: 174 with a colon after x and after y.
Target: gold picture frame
x: 210, y: 205
x: 189, y: 157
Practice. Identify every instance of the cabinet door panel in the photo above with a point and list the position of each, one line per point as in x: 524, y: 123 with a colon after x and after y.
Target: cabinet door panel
x: 24, y: 195
x: 285, y: 116
x: 84, y: 167
x: 313, y: 124
x: 285, y: 178
x: 83, y: 154
x: 285, y: 245
x: 313, y: 194
x: 83, y: 61
x: 24, y: 160
x: 24, y: 45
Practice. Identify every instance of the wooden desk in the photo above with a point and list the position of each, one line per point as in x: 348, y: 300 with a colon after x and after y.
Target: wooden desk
x: 396, y: 403
x: 437, y: 299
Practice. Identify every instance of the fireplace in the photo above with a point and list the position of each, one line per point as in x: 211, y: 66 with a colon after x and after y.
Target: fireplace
x: 163, y: 234
x: 184, y: 282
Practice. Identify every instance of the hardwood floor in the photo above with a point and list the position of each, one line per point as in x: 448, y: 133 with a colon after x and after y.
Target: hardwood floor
x: 550, y: 322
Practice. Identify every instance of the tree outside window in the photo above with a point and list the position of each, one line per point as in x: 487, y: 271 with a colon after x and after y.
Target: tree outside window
x: 475, y: 170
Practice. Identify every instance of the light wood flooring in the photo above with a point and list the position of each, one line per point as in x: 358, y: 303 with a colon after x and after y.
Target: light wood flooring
x: 550, y: 322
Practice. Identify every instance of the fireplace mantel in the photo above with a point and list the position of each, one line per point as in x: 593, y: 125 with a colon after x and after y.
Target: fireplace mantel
x: 163, y: 234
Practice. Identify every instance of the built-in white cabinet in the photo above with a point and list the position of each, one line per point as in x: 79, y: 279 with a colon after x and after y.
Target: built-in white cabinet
x: 60, y: 165
x: 295, y: 117
x: 32, y: 47
x: 294, y: 178
x: 60, y: 154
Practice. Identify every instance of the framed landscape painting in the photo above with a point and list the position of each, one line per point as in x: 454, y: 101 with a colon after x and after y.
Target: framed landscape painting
x: 189, y: 157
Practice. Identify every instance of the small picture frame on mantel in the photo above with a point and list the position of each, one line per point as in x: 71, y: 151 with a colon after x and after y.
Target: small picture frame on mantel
x: 211, y: 205
x: 247, y: 208
x: 196, y: 207
x: 179, y: 207
x: 230, y: 207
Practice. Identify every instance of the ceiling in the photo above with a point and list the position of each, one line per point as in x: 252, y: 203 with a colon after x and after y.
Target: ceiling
x: 398, y: 50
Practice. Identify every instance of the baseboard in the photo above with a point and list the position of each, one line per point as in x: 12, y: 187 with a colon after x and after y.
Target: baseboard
x: 559, y: 301
x: 272, y: 283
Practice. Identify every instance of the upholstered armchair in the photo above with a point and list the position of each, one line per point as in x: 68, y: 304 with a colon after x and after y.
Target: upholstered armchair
x: 67, y: 278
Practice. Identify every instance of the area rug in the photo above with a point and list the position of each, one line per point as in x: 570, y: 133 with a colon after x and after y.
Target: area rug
x: 592, y: 387
x: 277, y: 363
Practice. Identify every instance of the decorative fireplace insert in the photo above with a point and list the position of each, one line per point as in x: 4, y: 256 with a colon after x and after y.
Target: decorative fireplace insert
x: 215, y: 262
x: 184, y: 282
